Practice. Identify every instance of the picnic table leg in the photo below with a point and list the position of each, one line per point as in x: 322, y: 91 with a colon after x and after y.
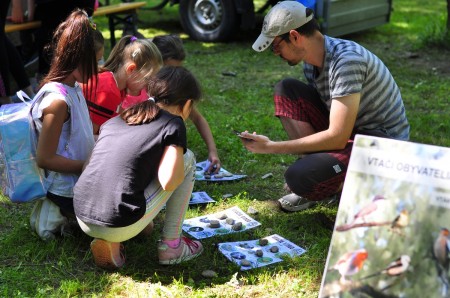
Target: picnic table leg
x: 111, y: 30
x: 130, y: 23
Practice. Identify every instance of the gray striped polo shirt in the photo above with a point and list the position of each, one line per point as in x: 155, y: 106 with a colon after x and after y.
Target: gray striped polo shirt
x: 349, y: 68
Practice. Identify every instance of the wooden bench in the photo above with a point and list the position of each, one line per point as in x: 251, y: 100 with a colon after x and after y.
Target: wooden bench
x: 111, y: 11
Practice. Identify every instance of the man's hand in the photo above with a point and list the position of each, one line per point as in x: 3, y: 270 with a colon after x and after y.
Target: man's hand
x: 256, y: 143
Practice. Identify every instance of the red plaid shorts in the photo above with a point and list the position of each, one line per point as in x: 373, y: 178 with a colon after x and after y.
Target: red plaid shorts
x: 315, y: 176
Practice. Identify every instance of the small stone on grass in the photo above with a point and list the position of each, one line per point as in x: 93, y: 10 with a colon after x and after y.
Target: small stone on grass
x: 252, y: 211
x: 209, y: 273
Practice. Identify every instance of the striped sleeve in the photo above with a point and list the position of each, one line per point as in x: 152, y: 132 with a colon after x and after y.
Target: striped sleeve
x: 347, y: 75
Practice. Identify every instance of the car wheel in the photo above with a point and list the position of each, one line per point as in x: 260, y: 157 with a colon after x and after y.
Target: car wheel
x: 209, y: 20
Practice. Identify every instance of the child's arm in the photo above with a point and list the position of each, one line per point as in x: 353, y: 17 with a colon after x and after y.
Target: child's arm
x: 53, y: 118
x: 171, y: 168
x: 96, y: 129
x: 205, y: 132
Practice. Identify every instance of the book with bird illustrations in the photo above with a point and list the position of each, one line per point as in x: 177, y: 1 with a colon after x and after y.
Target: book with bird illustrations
x: 391, y: 236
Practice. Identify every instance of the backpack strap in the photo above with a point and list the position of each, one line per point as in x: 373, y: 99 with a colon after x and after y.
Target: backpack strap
x: 49, y: 87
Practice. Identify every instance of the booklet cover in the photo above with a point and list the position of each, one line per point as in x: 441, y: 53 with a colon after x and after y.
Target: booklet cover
x: 261, y: 252
x: 223, y: 174
x: 200, y: 197
x: 231, y: 220
x: 391, y: 237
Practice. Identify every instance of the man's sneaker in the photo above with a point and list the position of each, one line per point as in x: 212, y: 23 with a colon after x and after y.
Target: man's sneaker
x: 107, y: 255
x: 186, y: 250
x: 334, y: 199
x: 293, y: 203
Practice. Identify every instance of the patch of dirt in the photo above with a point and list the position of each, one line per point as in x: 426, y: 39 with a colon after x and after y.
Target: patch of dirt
x: 432, y: 59
x: 428, y: 58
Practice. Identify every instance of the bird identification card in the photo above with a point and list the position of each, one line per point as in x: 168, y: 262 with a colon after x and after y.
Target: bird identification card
x: 231, y: 220
x: 257, y: 253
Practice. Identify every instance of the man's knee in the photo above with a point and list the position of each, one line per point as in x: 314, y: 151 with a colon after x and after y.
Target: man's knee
x: 287, y: 85
x: 315, y: 176
x: 299, y: 179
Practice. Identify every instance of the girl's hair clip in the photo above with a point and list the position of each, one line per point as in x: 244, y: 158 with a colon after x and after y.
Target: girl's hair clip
x: 151, y: 98
x: 135, y: 53
x: 133, y: 38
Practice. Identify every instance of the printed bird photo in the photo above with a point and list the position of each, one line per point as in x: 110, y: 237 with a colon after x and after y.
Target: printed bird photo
x: 389, y: 241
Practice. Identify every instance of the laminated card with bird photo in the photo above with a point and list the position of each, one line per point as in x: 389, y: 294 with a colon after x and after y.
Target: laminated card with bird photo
x: 391, y: 237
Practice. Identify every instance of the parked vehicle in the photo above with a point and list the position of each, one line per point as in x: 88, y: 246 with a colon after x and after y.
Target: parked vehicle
x: 219, y: 20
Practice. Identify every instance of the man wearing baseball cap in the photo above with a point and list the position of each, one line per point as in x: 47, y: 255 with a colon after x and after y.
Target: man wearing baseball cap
x: 348, y: 91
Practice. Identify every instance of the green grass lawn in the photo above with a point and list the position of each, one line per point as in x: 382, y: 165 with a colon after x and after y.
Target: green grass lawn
x: 409, y: 45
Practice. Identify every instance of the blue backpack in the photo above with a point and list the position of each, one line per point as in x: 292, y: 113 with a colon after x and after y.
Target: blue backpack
x: 21, y: 179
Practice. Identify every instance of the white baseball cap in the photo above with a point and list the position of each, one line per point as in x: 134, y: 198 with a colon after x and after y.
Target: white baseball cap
x: 283, y: 17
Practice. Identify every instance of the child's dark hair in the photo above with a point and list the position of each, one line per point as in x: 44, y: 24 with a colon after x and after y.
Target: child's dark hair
x: 170, y: 46
x: 142, y: 52
x: 309, y: 28
x: 171, y: 86
x: 99, y: 40
x: 73, y: 43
